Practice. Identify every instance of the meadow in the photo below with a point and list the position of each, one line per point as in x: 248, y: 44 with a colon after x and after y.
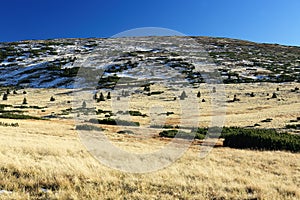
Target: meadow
x: 42, y: 156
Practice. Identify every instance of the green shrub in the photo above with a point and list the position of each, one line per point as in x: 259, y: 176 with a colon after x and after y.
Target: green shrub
x: 109, y: 79
x: 169, y: 113
x: 136, y: 113
x: 181, y: 134
x: 99, y: 111
x: 156, y: 93
x: 2, y: 106
x: 244, y: 138
x: 25, y: 107
x: 292, y: 126
x: 267, y: 120
x: 293, y: 120
x: 70, y: 72
x: 17, y: 116
x: 166, y: 126
x: 87, y: 127
x: 147, y: 88
x: 110, y: 121
x: 125, y: 132
x: 158, y: 126
x: 11, y: 111
x: 213, y: 132
x: 261, y: 139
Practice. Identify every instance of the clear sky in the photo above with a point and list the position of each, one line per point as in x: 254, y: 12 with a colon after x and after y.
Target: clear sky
x: 270, y: 21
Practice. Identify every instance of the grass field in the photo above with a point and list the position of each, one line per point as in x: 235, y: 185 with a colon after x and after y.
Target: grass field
x: 45, y: 159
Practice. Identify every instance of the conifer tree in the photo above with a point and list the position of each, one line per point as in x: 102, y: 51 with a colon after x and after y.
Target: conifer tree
x: 274, y: 95
x: 101, y: 98
x: 108, y: 96
x: 83, y: 104
x: 183, y: 95
x: 214, y: 90
x: 5, y: 97
x: 95, y: 97
x: 24, y: 101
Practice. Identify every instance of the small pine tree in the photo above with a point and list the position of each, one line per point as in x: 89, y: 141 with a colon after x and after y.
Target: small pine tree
x: 84, y: 104
x: 24, y: 101
x: 183, y: 95
x: 7, y: 91
x: 235, y: 98
x: 108, y: 96
x: 101, y: 98
x: 4, y: 98
x: 52, y: 99
x: 199, y: 94
x: 95, y: 97
x: 15, y: 92
x: 147, y: 88
x: 214, y: 90
x: 24, y: 92
x: 252, y: 94
x: 203, y: 100
x: 274, y: 95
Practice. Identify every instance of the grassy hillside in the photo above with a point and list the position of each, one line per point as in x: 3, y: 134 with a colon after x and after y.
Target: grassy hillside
x: 48, y: 165
x: 44, y: 159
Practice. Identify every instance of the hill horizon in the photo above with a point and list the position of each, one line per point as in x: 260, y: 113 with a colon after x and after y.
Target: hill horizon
x: 191, y: 36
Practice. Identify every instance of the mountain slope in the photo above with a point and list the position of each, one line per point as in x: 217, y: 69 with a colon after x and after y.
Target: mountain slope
x: 55, y: 63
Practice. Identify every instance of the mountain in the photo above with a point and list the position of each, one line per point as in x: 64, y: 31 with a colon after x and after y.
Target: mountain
x: 56, y: 63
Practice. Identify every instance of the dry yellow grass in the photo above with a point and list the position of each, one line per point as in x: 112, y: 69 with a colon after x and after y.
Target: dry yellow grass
x: 48, y: 154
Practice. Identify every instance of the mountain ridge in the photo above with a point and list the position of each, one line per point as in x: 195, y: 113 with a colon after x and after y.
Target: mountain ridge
x: 192, y: 36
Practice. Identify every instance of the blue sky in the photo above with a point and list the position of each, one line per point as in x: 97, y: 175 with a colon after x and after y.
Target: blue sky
x: 270, y: 21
